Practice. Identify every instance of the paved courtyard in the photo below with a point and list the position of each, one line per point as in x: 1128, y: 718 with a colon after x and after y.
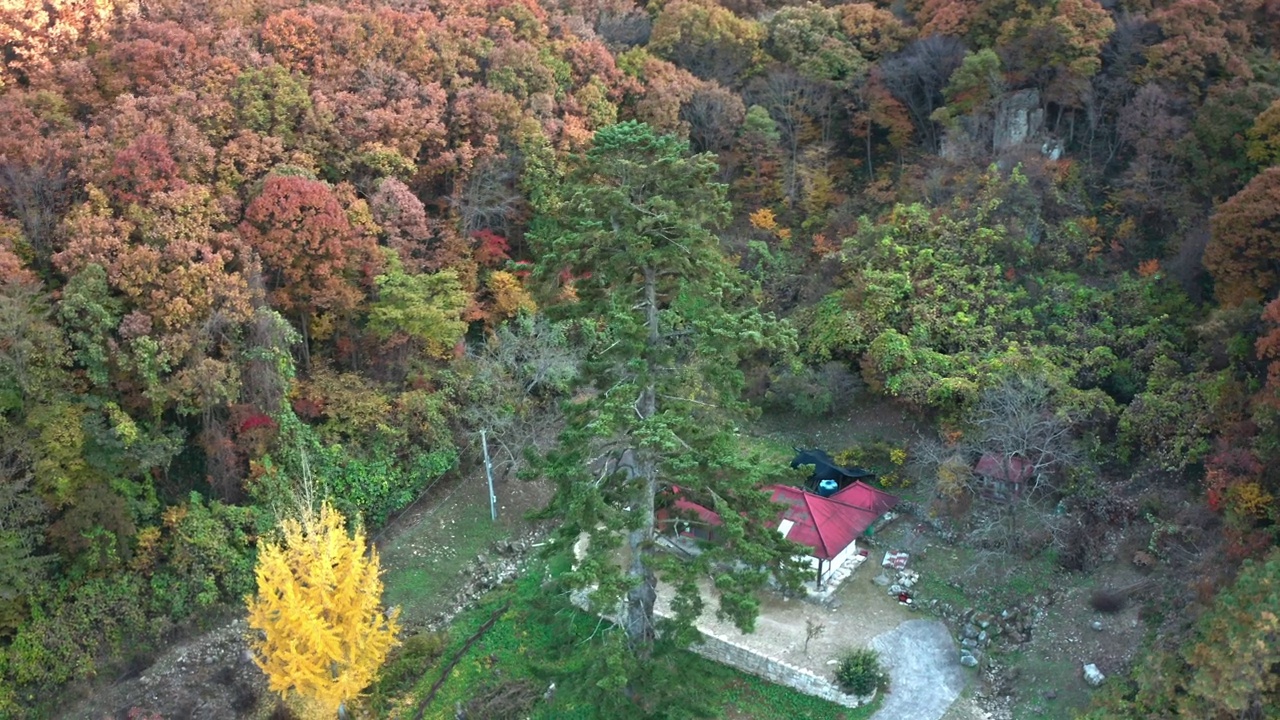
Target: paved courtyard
x: 919, y: 653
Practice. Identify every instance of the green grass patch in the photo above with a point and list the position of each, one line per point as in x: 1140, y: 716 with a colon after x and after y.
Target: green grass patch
x: 1058, y: 672
x: 747, y: 696
x: 964, y: 577
x: 540, y: 639
x: 421, y: 565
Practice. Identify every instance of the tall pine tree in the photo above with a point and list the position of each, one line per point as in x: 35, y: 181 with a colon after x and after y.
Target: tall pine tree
x: 668, y: 319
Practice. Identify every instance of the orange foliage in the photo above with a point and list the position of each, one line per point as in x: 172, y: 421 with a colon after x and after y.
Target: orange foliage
x: 763, y: 219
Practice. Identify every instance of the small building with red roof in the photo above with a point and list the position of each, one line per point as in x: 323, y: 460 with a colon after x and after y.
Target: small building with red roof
x: 829, y: 525
x: 1002, y: 478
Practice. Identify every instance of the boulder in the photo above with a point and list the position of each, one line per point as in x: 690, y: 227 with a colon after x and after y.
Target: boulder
x: 1019, y: 117
x: 968, y: 660
x: 1093, y: 675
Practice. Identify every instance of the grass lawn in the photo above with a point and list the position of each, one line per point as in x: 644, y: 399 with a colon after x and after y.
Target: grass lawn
x: 421, y: 563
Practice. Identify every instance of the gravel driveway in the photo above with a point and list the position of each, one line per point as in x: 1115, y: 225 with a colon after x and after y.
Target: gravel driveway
x: 925, y: 675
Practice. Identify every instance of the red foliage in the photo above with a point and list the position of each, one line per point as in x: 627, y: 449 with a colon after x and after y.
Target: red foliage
x: 1245, y: 239
x: 151, y: 57
x: 308, y: 408
x: 257, y: 421
x: 313, y: 257
x: 143, y: 169
x: 291, y: 38
x: 491, y: 248
x: 1268, y: 349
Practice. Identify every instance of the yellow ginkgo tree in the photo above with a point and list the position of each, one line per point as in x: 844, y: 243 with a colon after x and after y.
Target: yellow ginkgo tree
x: 321, y: 633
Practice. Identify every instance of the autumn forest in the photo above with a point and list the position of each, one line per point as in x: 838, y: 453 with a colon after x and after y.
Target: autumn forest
x: 270, y: 262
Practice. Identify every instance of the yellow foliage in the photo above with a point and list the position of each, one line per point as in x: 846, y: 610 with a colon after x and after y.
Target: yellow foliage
x: 894, y: 480
x: 322, y: 633
x: 509, y: 296
x: 1249, y: 499
x: 763, y: 219
x: 953, y: 477
x: 146, y: 551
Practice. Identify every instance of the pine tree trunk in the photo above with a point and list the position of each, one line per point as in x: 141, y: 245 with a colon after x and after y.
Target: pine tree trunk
x: 640, y: 599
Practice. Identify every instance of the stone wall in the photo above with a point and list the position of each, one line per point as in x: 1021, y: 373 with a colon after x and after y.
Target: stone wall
x: 727, y: 652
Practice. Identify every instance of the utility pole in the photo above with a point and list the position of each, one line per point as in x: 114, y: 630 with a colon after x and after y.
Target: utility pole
x: 488, y: 473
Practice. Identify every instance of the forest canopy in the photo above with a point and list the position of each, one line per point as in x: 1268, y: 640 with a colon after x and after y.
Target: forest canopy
x: 248, y: 242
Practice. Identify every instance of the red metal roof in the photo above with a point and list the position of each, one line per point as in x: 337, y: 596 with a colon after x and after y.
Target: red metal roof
x: 827, y: 524
x: 1019, y: 468
x: 705, y: 515
x: 862, y: 495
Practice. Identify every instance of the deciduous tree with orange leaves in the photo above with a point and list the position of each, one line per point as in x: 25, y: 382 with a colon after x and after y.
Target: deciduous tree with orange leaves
x: 1241, y: 255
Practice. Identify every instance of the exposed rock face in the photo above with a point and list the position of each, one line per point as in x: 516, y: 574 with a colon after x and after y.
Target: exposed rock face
x: 1019, y: 118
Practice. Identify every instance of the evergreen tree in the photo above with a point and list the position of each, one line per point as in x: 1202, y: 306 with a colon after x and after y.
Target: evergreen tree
x: 668, y: 319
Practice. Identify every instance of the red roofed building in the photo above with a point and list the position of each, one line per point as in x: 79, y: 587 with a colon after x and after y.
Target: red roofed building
x: 1002, y: 478
x: 829, y: 525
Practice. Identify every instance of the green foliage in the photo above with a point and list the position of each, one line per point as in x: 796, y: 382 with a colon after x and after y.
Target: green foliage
x: 973, y: 85
x: 859, y: 671
x: 809, y: 38
x: 370, y: 479
x: 541, y: 638
x: 1264, y: 137
x: 1171, y: 420
x: 34, y: 354
x: 415, y: 657
x: 707, y: 39
x: 204, y: 556
x: 672, y: 319
x: 375, y: 483
x: 71, y: 632
x: 426, y: 307
x: 273, y: 101
x: 90, y: 314
x: 827, y: 390
x: 23, y: 520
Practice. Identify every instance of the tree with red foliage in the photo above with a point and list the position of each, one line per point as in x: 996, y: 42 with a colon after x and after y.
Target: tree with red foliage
x: 1267, y: 348
x: 313, y: 258
x: 143, y: 169
x: 1245, y: 242
x: 292, y: 40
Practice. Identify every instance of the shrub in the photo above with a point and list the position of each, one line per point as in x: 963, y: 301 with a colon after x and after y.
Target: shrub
x: 410, y: 661
x: 859, y: 672
x: 818, y: 392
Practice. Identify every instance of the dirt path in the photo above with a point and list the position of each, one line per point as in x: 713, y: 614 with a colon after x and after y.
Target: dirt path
x: 925, y: 676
